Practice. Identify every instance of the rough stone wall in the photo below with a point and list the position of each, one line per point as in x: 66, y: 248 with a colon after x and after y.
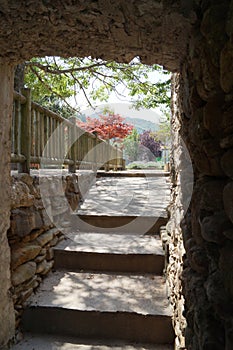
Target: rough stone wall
x: 6, y: 305
x: 113, y: 30
x: 201, y: 245
x: 173, y: 240
x: 32, y: 234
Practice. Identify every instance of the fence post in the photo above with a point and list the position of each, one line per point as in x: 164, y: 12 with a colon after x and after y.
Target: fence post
x: 25, y: 134
x: 95, y: 151
x: 116, y: 162
x: 73, y: 139
x: 107, y: 164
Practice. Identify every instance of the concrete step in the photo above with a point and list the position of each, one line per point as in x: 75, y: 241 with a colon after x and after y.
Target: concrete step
x: 42, y: 342
x: 102, y: 306
x: 134, y: 173
x: 119, y: 224
x: 112, y: 252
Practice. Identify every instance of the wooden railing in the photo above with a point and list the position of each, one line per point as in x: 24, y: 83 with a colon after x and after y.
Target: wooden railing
x: 43, y: 138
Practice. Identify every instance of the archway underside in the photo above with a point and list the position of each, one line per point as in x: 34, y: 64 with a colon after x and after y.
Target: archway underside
x: 157, y: 31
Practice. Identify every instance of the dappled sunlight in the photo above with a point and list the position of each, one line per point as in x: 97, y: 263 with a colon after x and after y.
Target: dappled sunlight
x: 143, y: 196
x: 104, y: 292
x: 112, y: 243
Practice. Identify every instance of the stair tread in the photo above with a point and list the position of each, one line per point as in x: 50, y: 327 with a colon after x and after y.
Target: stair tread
x: 42, y: 342
x: 104, y: 293
x: 111, y: 243
x: 143, y: 196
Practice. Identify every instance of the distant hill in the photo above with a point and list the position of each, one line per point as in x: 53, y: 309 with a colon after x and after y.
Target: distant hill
x: 140, y: 124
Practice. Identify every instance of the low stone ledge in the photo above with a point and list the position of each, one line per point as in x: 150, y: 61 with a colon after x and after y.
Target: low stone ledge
x: 32, y: 234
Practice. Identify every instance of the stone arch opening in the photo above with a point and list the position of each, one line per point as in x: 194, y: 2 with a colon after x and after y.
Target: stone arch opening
x: 194, y: 39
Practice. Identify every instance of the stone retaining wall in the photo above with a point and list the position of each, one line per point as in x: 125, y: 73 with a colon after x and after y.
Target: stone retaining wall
x: 32, y: 233
x: 201, y: 244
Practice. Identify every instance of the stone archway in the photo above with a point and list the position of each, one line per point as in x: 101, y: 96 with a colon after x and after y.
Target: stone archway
x: 192, y: 38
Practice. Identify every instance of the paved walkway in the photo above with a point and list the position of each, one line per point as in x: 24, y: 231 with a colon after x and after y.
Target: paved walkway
x: 126, y: 196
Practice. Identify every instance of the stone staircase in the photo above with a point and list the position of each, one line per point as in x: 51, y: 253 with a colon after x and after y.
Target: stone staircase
x: 107, y: 291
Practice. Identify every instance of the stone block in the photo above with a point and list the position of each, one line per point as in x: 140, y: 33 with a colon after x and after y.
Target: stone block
x: 53, y: 242
x: 34, y: 234
x: 24, y: 220
x: 210, y: 166
x: 212, y: 115
x: 213, y: 29
x: 208, y: 86
x: 208, y: 194
x: 40, y: 258
x: 32, y: 283
x: 20, y: 195
x: 46, y: 216
x: 212, y: 227
x: 25, y: 295
x: 23, y: 253
x: 23, y: 273
x: 41, y: 266
x: 46, y: 237
x: 49, y: 254
x: 44, y: 267
x: 26, y: 178
x: 198, y: 260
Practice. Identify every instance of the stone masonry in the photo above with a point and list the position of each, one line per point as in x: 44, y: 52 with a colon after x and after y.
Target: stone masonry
x: 201, y: 249
x: 32, y: 233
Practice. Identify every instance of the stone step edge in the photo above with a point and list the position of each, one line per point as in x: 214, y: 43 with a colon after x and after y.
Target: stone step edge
x: 106, y: 325
x: 119, y: 224
x: 28, y: 341
x: 108, y: 262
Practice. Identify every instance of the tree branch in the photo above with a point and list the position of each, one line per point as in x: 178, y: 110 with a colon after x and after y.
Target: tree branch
x: 48, y: 68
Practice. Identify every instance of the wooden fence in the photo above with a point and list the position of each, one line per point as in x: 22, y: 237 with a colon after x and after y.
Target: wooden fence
x: 43, y: 138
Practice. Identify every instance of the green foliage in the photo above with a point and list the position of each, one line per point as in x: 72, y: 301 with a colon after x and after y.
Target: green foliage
x: 131, y: 146
x: 96, y: 79
x: 56, y: 105
x: 163, y: 134
x: 145, y: 165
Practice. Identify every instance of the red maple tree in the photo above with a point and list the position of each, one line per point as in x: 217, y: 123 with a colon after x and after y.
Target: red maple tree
x: 107, y: 127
